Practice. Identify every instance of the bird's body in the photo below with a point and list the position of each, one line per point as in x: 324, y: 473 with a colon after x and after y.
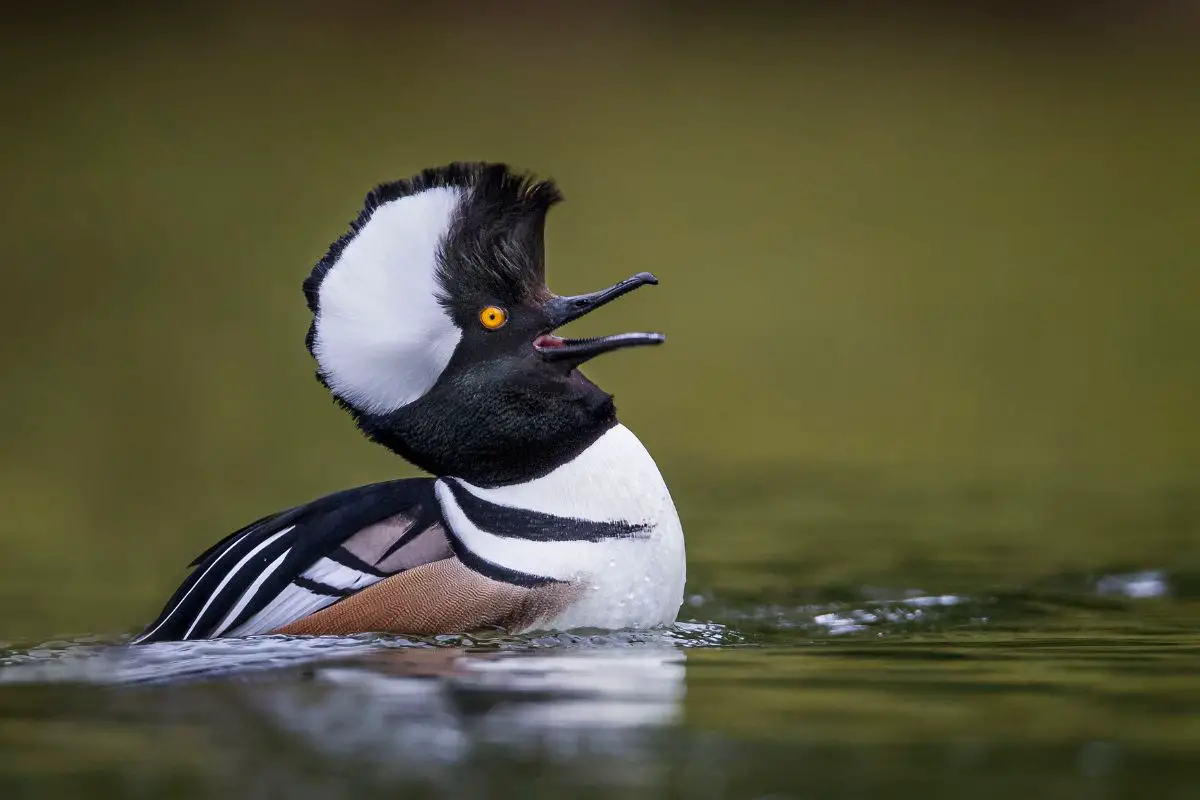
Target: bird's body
x: 432, y: 326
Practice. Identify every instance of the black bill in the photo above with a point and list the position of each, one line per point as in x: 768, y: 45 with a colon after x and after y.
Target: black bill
x: 561, y: 310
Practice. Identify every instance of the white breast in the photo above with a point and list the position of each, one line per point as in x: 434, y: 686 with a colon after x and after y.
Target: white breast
x: 629, y: 582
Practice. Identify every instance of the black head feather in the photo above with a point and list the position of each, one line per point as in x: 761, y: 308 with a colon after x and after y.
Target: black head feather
x: 495, y: 246
x: 497, y: 413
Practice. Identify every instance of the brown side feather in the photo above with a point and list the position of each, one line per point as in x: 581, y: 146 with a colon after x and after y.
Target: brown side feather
x: 439, y: 597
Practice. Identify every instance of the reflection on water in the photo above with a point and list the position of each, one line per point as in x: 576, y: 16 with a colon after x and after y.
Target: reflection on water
x: 556, y: 706
x: 1148, y: 583
x: 391, y: 707
x: 1020, y: 693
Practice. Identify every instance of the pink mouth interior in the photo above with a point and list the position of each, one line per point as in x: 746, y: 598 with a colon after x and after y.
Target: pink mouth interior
x: 548, y: 341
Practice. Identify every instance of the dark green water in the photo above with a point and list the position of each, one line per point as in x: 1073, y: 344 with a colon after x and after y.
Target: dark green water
x: 927, y: 405
x: 1084, y: 697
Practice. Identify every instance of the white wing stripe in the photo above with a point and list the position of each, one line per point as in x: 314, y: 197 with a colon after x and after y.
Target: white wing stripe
x: 248, y: 595
x: 289, y: 605
x: 166, y: 617
x: 339, y: 576
x: 229, y: 575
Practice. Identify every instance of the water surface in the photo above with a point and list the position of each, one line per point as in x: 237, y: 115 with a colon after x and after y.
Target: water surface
x: 1094, y: 696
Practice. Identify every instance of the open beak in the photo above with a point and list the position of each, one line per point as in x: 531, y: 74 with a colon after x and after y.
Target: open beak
x: 561, y: 310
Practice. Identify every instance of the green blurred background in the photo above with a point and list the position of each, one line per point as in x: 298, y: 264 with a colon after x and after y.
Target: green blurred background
x: 929, y: 278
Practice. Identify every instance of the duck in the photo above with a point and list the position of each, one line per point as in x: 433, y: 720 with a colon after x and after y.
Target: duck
x: 433, y: 327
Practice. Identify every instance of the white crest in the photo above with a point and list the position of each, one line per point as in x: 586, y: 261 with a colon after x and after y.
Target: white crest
x: 382, y: 339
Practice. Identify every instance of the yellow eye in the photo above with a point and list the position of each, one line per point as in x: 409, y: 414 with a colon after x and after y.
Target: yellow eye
x: 493, y: 317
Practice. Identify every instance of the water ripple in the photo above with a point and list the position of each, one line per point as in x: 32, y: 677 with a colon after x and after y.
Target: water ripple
x: 94, y: 661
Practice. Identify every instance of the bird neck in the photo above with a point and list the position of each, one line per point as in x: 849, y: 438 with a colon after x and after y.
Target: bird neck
x: 505, y: 433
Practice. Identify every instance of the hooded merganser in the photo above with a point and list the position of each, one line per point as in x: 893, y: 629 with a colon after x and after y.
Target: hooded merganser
x: 433, y: 326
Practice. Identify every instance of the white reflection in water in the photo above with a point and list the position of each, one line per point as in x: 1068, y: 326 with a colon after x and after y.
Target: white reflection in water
x: 424, y: 710
x: 1136, y: 585
x: 908, y: 610
x: 403, y: 705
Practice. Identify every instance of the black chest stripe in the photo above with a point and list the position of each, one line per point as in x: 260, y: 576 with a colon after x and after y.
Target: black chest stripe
x: 521, y: 523
x: 496, y: 572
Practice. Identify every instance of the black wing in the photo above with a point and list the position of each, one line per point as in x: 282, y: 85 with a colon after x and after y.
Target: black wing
x: 288, y: 565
